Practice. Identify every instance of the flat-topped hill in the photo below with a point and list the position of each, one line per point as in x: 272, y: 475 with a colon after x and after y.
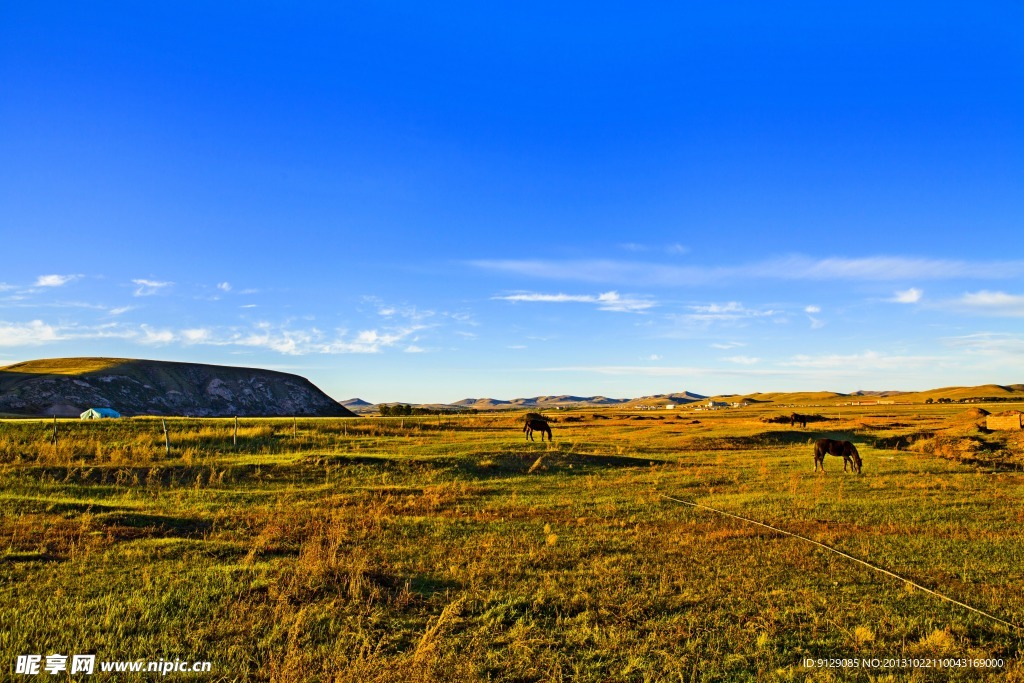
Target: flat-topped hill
x: 68, y: 386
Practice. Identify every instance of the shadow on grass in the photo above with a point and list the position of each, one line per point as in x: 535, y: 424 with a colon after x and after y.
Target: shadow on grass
x: 495, y: 464
x: 29, y: 557
x: 60, y: 507
x: 131, y: 525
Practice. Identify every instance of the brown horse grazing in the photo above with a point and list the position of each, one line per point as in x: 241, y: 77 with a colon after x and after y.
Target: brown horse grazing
x: 797, y: 417
x: 844, y: 449
x: 535, y: 424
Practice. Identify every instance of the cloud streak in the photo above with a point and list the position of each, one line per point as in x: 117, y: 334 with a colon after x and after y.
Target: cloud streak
x: 607, y: 301
x: 149, y: 287
x: 992, y: 303
x: 797, y: 267
x: 909, y: 296
x: 54, y: 280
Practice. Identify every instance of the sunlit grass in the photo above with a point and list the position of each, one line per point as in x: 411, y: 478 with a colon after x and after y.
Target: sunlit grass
x: 452, y: 549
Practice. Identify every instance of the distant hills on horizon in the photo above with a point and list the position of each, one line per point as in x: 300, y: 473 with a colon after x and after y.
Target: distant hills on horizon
x: 996, y: 392
x: 67, y: 386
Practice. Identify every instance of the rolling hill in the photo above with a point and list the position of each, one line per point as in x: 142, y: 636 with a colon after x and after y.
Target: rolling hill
x: 68, y: 386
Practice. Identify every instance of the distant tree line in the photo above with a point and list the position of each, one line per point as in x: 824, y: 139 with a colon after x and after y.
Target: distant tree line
x: 404, y: 409
x: 979, y: 399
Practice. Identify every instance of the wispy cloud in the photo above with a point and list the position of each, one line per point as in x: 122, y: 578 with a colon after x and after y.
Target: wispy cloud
x: 607, y: 301
x: 992, y: 303
x: 54, y: 280
x: 743, y: 360
x: 1002, y: 344
x: 149, y: 287
x: 224, y: 286
x: 797, y: 267
x: 282, y: 339
x: 727, y: 345
x: 729, y: 312
x: 36, y: 332
x: 908, y: 296
x: 811, y: 311
x: 868, y: 360
x: 32, y: 333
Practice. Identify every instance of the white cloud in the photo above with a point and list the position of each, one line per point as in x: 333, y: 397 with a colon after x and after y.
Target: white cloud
x: 997, y: 344
x: 149, y: 287
x: 154, y: 336
x: 812, y: 309
x: 868, y: 360
x: 606, y: 301
x: 743, y: 360
x: 120, y: 310
x: 732, y: 311
x: 992, y: 303
x: 196, y: 336
x: 653, y: 357
x: 36, y: 332
x: 31, y: 333
x: 54, y: 280
x: 224, y: 286
x: 412, y: 348
x: 727, y: 345
x: 798, y: 267
x: 909, y: 296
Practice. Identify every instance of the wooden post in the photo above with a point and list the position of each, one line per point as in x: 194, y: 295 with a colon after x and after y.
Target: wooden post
x: 234, y: 439
x: 54, y: 433
x: 295, y: 423
x: 167, y: 439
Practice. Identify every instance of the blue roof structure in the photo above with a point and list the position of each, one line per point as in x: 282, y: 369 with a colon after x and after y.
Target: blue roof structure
x: 99, y: 413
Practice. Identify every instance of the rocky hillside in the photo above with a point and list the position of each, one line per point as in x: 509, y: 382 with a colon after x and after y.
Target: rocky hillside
x: 68, y: 386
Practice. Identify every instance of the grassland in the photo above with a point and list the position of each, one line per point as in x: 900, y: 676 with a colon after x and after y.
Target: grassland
x: 423, y: 549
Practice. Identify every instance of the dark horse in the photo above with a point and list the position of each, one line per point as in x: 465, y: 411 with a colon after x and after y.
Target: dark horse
x: 797, y: 417
x: 844, y: 449
x: 536, y: 424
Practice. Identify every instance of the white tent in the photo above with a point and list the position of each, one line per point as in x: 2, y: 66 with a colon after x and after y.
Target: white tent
x: 99, y: 413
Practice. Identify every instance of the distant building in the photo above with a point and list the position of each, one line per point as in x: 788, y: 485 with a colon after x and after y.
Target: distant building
x: 670, y: 406
x: 99, y: 413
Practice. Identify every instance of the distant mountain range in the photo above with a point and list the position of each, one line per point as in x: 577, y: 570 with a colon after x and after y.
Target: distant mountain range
x: 67, y: 387
x: 540, y: 402
x: 997, y: 392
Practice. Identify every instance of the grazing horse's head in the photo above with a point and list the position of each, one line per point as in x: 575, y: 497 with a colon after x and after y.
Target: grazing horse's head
x: 851, y: 450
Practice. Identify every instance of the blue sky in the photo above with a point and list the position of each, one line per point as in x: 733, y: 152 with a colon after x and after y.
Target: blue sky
x: 431, y: 201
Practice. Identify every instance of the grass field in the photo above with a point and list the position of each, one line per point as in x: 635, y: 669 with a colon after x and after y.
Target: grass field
x: 423, y: 549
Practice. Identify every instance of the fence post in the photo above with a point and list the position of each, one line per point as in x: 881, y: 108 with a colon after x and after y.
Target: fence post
x: 167, y: 439
x: 54, y: 433
x: 234, y: 439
